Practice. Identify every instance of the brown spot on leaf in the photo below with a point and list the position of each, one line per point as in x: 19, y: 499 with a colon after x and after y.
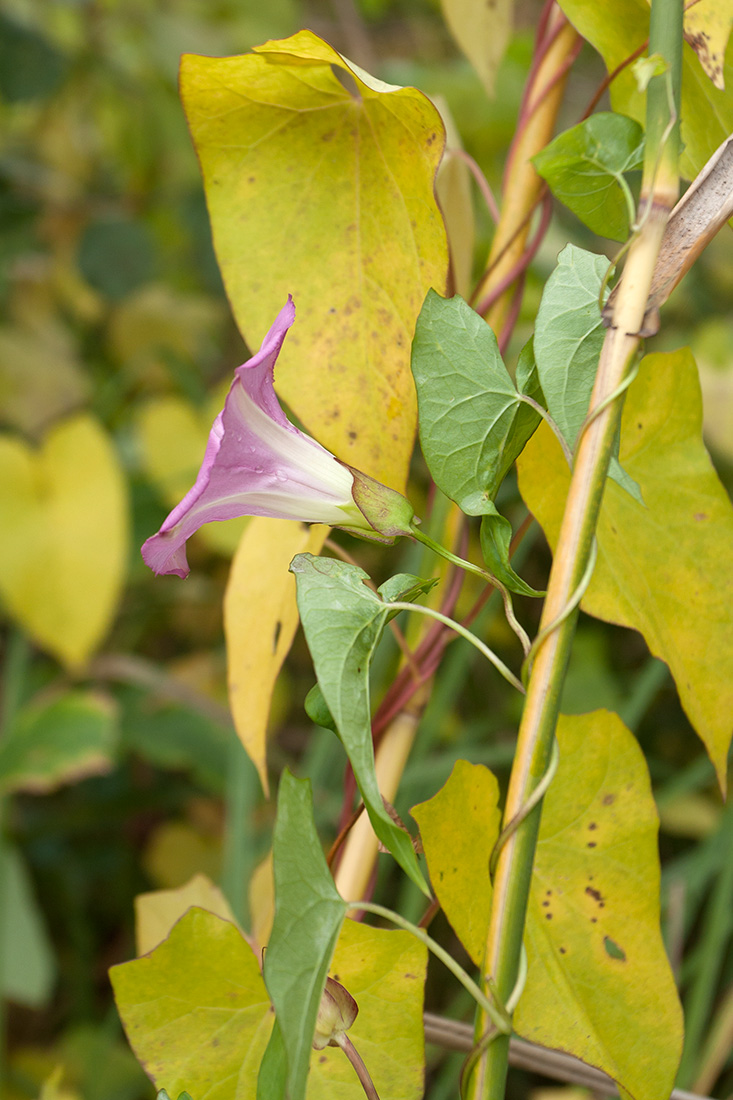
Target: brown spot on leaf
x: 609, y: 799
x: 700, y: 516
x: 595, y: 894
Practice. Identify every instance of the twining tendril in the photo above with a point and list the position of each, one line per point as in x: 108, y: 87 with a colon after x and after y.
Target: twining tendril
x: 511, y: 618
x: 496, y: 1012
x: 491, y: 1033
x: 526, y: 809
x: 465, y: 633
x: 570, y: 606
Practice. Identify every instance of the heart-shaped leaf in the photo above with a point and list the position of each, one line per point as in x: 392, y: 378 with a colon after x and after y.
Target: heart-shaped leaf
x: 63, y: 551
x: 320, y: 184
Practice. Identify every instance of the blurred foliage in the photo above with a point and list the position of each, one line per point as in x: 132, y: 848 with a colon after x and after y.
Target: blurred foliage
x: 112, y: 308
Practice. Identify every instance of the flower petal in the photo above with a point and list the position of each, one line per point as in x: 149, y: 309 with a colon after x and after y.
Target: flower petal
x: 257, y: 464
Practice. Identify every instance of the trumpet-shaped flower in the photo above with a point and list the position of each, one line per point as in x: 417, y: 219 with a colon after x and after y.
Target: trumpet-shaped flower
x: 259, y: 464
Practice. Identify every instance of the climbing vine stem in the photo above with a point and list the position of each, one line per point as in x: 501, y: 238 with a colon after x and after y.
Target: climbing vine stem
x: 574, y: 547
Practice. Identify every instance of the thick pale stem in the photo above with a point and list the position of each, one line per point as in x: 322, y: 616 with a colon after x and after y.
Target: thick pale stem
x: 361, y: 848
x: 522, y: 185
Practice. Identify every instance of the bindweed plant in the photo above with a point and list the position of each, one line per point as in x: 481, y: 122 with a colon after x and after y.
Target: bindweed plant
x: 555, y: 896
x: 338, y: 238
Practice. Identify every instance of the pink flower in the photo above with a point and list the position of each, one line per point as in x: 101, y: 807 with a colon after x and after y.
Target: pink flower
x: 258, y: 464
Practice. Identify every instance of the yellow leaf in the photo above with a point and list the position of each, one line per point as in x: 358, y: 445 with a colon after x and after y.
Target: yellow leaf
x: 173, y: 436
x: 707, y: 29
x: 453, y: 188
x: 64, y: 522
x: 157, y: 911
x: 599, y: 984
x: 261, y: 896
x: 666, y: 569
x: 384, y: 971
x: 482, y: 29
x: 327, y: 194
x: 463, y: 810
x: 260, y: 619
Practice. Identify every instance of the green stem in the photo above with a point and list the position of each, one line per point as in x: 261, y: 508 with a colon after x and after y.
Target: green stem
x: 496, y: 1014
x: 465, y: 633
x: 572, y: 553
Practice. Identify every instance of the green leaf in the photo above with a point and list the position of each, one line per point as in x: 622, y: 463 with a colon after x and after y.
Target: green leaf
x: 309, y: 912
x: 458, y: 829
x: 526, y: 419
x: 665, y: 570
x: 272, y: 1079
x: 585, y: 167
x: 317, y: 709
x: 63, y: 552
x: 343, y: 621
x: 60, y: 742
x: 131, y: 245
x: 496, y: 536
x: 599, y: 984
x: 467, y: 403
x: 569, y: 335
x: 405, y: 588
x: 30, y: 66
x: 196, y: 1011
x: 324, y: 188
x: 27, y: 967
x: 616, y: 28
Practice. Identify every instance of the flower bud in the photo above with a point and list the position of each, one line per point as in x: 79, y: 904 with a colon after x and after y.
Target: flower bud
x: 336, y: 1013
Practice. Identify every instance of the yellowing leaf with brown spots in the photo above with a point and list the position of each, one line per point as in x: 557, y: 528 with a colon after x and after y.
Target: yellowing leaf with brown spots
x: 458, y: 829
x: 666, y: 569
x: 324, y: 189
x: 599, y: 984
x: 260, y: 620
x: 198, y: 1017
x: 707, y: 29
